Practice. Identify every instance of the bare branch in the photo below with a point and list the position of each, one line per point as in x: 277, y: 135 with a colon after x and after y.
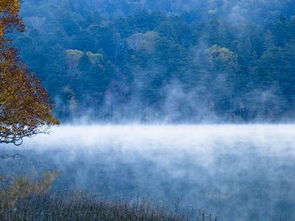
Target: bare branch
x: 14, y: 156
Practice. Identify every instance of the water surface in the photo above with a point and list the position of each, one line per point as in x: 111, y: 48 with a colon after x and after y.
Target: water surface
x: 239, y: 172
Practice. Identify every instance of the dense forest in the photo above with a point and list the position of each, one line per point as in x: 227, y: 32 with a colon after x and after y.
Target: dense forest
x: 162, y: 60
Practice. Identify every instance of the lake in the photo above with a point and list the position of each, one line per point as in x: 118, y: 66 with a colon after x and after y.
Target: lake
x: 237, y: 172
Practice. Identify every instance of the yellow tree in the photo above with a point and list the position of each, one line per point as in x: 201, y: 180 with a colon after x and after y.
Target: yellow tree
x: 25, y: 108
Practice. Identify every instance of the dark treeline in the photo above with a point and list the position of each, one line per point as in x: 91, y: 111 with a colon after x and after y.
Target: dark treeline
x: 146, y: 60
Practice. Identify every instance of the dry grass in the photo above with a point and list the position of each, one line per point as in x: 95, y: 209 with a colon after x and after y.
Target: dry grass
x: 25, y: 199
x: 78, y: 207
x: 46, y: 207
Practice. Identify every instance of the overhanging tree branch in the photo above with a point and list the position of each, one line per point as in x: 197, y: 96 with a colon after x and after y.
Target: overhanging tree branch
x: 25, y: 107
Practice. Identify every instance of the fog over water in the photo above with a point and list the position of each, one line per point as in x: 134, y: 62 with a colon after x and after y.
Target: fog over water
x: 173, y: 102
x: 239, y: 172
x: 203, y: 139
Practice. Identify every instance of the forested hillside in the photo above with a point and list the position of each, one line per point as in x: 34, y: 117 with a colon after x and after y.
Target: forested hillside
x: 164, y: 60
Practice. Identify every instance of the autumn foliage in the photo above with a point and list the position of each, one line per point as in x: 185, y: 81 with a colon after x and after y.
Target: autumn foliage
x: 25, y: 107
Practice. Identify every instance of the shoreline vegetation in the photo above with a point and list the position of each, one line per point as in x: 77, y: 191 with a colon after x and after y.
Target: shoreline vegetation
x: 78, y: 206
x: 25, y: 198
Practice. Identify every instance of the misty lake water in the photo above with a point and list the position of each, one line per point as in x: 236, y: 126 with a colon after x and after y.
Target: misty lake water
x: 237, y: 172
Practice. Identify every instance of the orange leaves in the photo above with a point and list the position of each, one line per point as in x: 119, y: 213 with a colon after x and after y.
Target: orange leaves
x: 9, y: 18
x: 23, y: 187
x: 25, y: 107
x: 10, y: 6
x: 1, y: 29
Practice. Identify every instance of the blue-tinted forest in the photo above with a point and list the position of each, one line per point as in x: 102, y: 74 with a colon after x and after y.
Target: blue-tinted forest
x: 178, y: 61
x: 170, y: 110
